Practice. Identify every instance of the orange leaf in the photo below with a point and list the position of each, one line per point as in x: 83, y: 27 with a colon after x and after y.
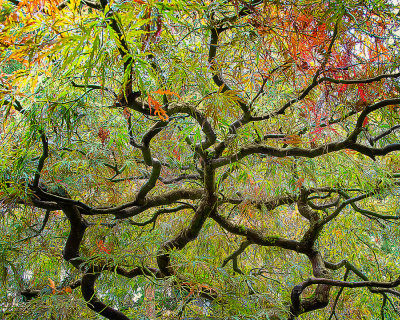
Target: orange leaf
x: 158, y: 111
x: 292, y: 139
x: 68, y: 290
x: 159, y: 91
x: 299, y: 183
x: 349, y: 151
x: 52, y: 285
x: 342, y: 88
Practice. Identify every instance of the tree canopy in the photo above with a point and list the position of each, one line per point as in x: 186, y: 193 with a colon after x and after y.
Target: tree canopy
x: 199, y: 159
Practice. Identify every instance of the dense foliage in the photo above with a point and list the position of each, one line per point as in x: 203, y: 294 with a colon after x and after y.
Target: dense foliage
x: 199, y: 159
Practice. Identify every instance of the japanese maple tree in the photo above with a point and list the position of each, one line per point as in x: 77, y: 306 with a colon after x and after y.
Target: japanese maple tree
x: 208, y: 159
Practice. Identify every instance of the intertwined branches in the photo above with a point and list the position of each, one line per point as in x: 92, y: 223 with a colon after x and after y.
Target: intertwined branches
x: 246, y: 87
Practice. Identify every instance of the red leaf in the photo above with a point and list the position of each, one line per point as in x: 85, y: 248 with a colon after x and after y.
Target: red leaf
x: 102, y: 247
x: 176, y: 154
x: 365, y: 122
x: 126, y: 112
x: 342, y: 88
x: 361, y: 92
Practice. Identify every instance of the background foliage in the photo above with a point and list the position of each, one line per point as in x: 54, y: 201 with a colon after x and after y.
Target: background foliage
x: 199, y: 159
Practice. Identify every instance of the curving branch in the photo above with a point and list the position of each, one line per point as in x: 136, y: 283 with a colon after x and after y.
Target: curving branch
x: 47, y: 199
x: 90, y: 4
x: 132, y: 208
x: 360, y: 81
x: 157, y: 214
x: 150, y: 184
x: 347, y: 284
x: 170, y: 180
x: 385, y: 133
x: 188, y: 234
x: 281, y: 153
x: 42, y: 158
x: 324, y: 206
x: 77, y: 230
x: 94, y: 87
x: 71, y: 254
x: 91, y: 272
x: 217, y: 76
x: 94, y: 303
x: 185, y: 236
x: 345, y: 203
x: 268, y: 204
x: 365, y: 212
x: 350, y: 267
x: 348, y: 143
x: 205, y: 125
x: 320, y: 298
x: 234, y: 255
x: 255, y: 236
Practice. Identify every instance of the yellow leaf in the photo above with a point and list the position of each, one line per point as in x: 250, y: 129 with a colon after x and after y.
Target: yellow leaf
x: 34, y: 83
